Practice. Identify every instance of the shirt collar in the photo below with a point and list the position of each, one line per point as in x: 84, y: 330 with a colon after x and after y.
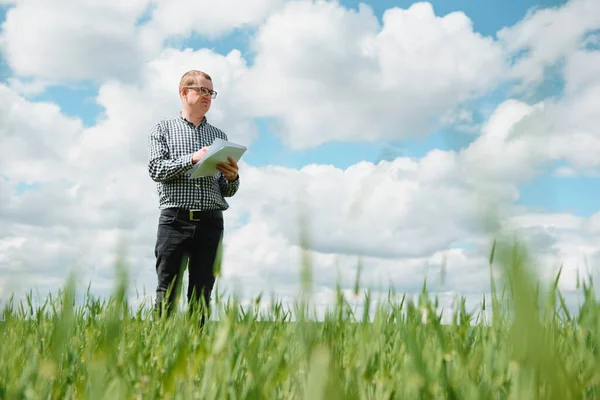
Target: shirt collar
x: 202, y: 122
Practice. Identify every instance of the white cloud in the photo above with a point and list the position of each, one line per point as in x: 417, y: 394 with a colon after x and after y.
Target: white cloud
x: 28, y: 87
x: 498, y: 154
x: 34, y: 149
x: 521, y: 140
x: 81, y: 40
x: 546, y: 35
x: 333, y: 74
x: 203, y: 17
x: 386, y: 210
x: 73, y: 41
x: 259, y: 259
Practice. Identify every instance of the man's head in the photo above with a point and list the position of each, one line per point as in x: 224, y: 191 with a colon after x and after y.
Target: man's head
x: 196, y: 91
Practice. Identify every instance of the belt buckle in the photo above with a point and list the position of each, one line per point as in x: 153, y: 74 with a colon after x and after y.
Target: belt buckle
x: 192, y: 216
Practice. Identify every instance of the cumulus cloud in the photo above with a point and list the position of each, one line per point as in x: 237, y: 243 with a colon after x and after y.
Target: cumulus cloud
x: 33, y: 149
x: 74, y: 41
x: 522, y: 140
x: 388, y: 210
x: 108, y: 40
x: 329, y: 73
x: 207, y: 18
x: 545, y: 36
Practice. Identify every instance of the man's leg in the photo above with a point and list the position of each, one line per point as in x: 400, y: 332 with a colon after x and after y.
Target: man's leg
x: 201, y: 269
x: 172, y: 238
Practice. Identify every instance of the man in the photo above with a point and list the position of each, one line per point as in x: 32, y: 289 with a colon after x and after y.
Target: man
x: 191, y: 217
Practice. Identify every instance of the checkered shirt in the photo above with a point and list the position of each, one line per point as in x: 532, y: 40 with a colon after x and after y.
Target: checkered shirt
x: 171, y: 144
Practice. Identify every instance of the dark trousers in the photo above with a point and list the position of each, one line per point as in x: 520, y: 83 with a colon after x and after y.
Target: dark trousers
x: 179, y: 237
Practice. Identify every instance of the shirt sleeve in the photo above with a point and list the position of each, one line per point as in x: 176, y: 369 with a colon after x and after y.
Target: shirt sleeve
x: 228, y: 189
x: 161, y: 167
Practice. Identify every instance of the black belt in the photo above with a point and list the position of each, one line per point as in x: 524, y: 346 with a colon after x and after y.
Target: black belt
x: 192, y: 215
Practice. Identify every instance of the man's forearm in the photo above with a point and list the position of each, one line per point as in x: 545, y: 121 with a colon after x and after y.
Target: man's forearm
x: 162, y: 170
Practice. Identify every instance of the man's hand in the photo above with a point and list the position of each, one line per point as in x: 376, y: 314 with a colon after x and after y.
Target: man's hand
x: 197, y: 156
x: 230, y: 171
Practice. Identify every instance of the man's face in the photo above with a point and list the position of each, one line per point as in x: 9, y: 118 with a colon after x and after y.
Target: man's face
x: 194, y: 97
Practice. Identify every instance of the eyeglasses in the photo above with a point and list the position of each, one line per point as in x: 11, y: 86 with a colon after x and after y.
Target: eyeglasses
x: 204, y: 91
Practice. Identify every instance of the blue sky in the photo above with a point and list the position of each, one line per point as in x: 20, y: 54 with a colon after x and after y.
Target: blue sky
x: 546, y: 191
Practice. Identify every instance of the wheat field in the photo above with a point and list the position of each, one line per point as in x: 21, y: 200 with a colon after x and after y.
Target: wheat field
x: 531, y: 348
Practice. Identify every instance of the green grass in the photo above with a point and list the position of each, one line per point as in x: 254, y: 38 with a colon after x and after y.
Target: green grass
x: 531, y: 348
